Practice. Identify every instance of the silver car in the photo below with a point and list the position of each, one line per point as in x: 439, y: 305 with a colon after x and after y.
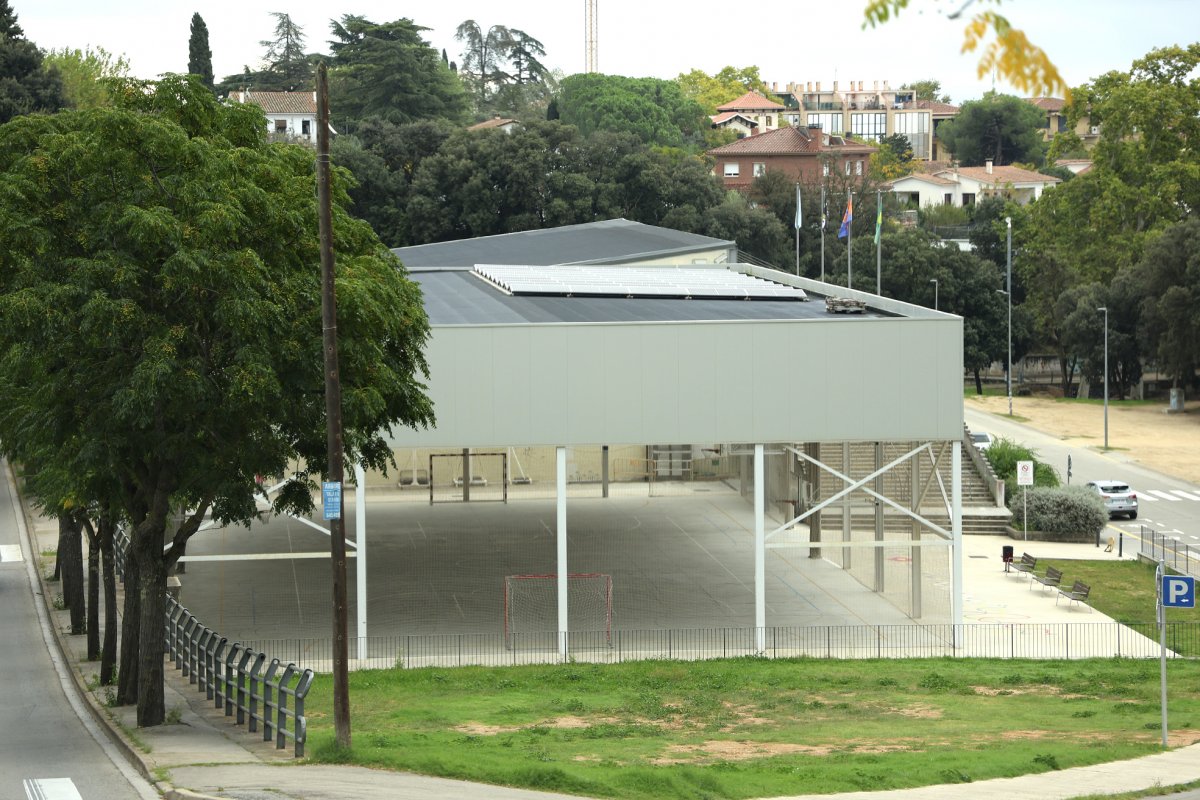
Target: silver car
x: 1117, y: 496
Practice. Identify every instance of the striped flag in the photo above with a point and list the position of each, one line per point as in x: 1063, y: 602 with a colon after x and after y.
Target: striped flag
x: 847, y: 218
x: 878, y: 216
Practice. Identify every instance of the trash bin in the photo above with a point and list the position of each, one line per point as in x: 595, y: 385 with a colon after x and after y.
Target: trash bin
x: 1006, y: 554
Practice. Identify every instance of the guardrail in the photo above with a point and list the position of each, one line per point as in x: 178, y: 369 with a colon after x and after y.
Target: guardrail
x: 1177, y: 555
x: 233, y: 677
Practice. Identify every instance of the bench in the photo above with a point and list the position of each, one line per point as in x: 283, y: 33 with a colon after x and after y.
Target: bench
x: 1077, y: 594
x: 1052, y: 578
x: 1027, y: 564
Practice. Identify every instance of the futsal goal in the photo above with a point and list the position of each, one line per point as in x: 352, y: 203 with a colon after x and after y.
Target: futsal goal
x: 531, y: 605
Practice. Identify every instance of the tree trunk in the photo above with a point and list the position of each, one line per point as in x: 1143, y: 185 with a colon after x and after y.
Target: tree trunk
x: 108, y: 652
x: 93, y: 591
x: 978, y: 383
x: 147, y: 547
x: 70, y: 553
x: 127, y: 673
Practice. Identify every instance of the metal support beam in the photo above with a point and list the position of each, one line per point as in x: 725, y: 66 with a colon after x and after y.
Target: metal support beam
x: 560, y: 532
x: 956, y: 599
x: 466, y: 475
x: 914, y: 552
x: 604, y: 471
x: 846, y: 522
x: 360, y: 536
x: 879, y: 561
x: 760, y: 551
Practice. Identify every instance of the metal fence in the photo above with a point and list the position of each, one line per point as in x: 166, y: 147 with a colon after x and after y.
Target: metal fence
x: 1177, y: 555
x: 233, y: 677
x: 1068, y: 640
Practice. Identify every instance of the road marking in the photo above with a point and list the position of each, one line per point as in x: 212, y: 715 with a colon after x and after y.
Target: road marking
x: 1184, y: 495
x: 51, y: 789
x: 1147, y: 497
x: 1164, y: 495
x: 10, y: 552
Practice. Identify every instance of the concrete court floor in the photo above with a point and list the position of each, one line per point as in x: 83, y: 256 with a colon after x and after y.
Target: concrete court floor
x: 680, y: 562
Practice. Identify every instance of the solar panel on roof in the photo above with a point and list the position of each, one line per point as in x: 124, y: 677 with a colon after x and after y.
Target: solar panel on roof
x: 646, y: 281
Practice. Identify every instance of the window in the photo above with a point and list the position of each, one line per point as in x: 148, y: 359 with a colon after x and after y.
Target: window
x: 949, y: 199
x: 760, y: 169
x: 871, y: 127
x: 830, y: 123
x: 968, y: 198
x: 858, y: 167
x: 914, y: 125
x: 794, y: 119
x: 768, y: 122
x: 825, y: 169
x: 281, y: 126
x: 306, y: 127
x: 732, y: 169
x: 847, y: 167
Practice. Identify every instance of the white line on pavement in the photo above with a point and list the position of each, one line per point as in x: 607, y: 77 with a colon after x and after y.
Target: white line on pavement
x: 10, y: 552
x: 51, y: 789
x: 1164, y: 495
x: 1184, y: 495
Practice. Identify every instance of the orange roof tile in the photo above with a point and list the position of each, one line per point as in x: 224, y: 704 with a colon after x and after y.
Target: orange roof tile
x: 1003, y: 175
x: 279, y: 102
x: 752, y: 100
x: 788, y: 141
x: 494, y: 122
x: 1047, y: 103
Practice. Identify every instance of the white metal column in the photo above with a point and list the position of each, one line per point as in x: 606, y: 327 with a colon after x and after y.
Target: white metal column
x: 360, y: 550
x: 760, y: 551
x: 956, y: 599
x: 561, y: 535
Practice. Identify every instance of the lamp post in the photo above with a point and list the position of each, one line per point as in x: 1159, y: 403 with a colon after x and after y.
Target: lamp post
x: 1008, y: 291
x: 934, y: 281
x: 1105, y: 310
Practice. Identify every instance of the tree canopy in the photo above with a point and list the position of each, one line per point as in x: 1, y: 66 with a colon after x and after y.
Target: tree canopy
x: 729, y: 84
x: 655, y: 111
x: 87, y: 75
x: 199, y: 53
x: 929, y: 89
x: 285, y: 56
x: 160, y: 323
x: 27, y: 85
x: 998, y: 127
x: 502, y: 68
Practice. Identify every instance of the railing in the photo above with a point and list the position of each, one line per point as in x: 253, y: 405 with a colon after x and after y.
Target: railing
x: 1063, y: 640
x: 1177, y: 555
x: 994, y: 485
x: 232, y: 676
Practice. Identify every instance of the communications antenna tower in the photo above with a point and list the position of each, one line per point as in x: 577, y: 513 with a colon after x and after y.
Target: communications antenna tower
x: 590, y: 35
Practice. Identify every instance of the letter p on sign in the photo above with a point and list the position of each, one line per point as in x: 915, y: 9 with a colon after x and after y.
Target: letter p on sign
x: 1178, y: 591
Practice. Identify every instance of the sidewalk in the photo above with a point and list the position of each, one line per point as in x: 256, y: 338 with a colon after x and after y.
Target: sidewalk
x: 205, y: 755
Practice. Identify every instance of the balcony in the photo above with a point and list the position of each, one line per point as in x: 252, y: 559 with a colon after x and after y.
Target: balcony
x: 812, y: 105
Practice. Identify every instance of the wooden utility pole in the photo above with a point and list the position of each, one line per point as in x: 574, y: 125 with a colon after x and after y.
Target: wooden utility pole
x: 332, y: 489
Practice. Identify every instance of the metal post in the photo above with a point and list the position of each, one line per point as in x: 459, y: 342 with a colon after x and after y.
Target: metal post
x: 798, y: 207
x: 1008, y: 291
x: 956, y: 533
x: 934, y: 281
x: 849, y: 238
x: 1162, y: 641
x: 878, y: 242
x: 360, y: 536
x: 561, y: 538
x: 1105, y: 310
x: 822, y: 233
x: 760, y: 551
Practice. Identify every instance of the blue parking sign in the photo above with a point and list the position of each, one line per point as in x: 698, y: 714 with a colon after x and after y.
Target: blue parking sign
x: 1178, y: 591
x: 331, y: 497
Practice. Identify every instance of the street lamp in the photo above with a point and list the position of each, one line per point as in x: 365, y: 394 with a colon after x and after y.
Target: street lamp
x: 935, y: 287
x: 1008, y: 291
x: 1105, y: 310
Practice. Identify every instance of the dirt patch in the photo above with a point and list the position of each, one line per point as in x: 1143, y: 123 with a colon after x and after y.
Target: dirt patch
x: 479, y: 729
x: 720, y: 750
x: 742, y: 716
x: 1011, y: 735
x: 1041, y: 689
x: 1167, y: 443
x: 916, y: 712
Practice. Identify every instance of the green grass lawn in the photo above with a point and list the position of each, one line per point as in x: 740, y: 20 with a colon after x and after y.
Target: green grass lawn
x: 754, y: 727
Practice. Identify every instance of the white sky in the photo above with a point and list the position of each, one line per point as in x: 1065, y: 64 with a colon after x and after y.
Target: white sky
x: 788, y: 40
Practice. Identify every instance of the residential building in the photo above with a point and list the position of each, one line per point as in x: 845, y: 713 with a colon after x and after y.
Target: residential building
x: 850, y: 108
x: 1056, y: 121
x: 501, y: 123
x: 290, y: 115
x: 803, y: 154
x: 740, y: 124
x: 753, y: 106
x: 939, y: 113
x: 965, y: 186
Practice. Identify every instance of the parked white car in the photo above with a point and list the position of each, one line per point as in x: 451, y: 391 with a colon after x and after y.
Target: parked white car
x: 1118, y: 497
x: 982, y: 440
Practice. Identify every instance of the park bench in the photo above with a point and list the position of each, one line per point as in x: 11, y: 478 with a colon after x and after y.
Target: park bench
x: 1077, y: 594
x: 1052, y: 578
x: 1027, y: 564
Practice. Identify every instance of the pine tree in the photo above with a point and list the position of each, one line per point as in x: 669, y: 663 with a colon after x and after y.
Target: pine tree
x: 199, y: 53
x: 285, y: 53
x: 26, y: 85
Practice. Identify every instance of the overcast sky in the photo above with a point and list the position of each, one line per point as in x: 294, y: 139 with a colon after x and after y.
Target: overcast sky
x: 789, y: 41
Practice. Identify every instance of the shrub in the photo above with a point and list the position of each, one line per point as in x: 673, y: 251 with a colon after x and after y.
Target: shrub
x: 1066, y: 510
x: 1004, y: 454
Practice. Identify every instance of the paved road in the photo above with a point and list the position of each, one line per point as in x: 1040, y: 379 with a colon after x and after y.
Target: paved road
x: 47, y: 749
x: 1166, y: 504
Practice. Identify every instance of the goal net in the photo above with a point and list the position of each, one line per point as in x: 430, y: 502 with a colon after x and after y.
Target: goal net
x: 531, y: 605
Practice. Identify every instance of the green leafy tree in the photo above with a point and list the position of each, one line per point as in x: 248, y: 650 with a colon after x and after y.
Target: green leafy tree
x: 285, y: 57
x: 729, y: 84
x: 27, y: 85
x: 929, y: 89
x: 1000, y: 128
x: 88, y: 74
x: 1167, y: 281
x: 893, y: 159
x: 655, y: 111
x: 389, y: 72
x: 199, y: 53
x: 160, y: 325
x: 1083, y: 332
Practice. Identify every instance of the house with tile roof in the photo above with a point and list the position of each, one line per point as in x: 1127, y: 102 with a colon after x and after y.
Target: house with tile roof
x: 290, y: 116
x: 965, y: 186
x: 802, y: 154
x: 753, y: 106
x: 739, y: 123
x: 1055, y: 110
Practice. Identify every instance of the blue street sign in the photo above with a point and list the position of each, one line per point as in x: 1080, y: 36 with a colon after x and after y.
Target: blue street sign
x: 331, y: 499
x: 1178, y: 591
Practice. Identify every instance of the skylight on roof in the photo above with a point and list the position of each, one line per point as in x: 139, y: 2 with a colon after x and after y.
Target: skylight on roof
x: 665, y: 282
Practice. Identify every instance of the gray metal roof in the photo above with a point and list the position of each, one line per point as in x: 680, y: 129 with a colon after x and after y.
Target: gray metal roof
x: 610, y: 241
x: 458, y: 297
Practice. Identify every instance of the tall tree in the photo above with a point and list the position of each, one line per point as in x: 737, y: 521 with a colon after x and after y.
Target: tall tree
x: 87, y: 75
x: 1000, y: 128
x: 27, y: 85
x: 160, y: 324
x: 656, y: 111
x: 285, y: 55
x: 387, y: 70
x: 1168, y: 285
x: 929, y: 89
x: 199, y: 53
x: 728, y: 84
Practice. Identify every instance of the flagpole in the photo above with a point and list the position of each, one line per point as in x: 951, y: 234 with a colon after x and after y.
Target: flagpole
x: 878, y: 242
x: 822, y: 232
x: 849, y: 239
x: 798, y: 223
